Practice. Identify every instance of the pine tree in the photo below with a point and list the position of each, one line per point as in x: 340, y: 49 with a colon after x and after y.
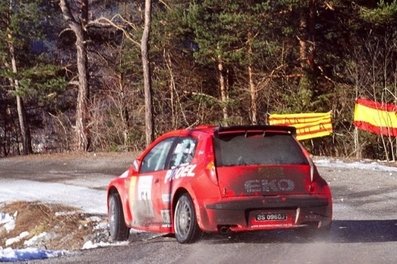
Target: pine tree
x: 28, y: 75
x: 227, y: 34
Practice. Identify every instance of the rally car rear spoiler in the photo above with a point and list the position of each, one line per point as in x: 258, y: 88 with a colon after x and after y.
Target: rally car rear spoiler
x: 253, y: 128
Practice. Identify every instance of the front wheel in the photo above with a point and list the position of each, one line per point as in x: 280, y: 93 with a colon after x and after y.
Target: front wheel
x: 185, y: 220
x: 118, y: 229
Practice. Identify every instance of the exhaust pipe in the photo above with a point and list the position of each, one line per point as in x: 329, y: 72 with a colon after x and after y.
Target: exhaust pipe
x: 224, y: 230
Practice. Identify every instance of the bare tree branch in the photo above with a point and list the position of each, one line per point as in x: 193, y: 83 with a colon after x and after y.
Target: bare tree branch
x: 165, y: 4
x: 103, y: 21
x: 67, y: 14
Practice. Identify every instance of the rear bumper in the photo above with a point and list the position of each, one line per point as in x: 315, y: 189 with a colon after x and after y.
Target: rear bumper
x: 239, y: 214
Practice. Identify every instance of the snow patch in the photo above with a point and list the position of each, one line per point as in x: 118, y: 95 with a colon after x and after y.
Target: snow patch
x: 11, y: 255
x: 7, y: 221
x: 100, y: 223
x: 361, y: 165
x: 91, y: 245
x: 34, y: 240
x: 65, y: 213
x: 17, y: 239
x: 86, y: 199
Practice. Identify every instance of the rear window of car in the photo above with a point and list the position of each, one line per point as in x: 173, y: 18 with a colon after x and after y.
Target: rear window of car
x: 257, y: 149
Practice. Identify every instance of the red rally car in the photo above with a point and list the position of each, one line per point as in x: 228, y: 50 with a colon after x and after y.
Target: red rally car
x: 220, y: 179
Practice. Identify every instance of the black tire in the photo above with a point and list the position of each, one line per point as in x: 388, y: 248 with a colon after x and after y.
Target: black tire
x: 117, y: 227
x: 185, y: 221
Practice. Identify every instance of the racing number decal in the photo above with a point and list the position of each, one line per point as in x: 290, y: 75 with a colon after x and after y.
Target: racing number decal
x: 144, y: 194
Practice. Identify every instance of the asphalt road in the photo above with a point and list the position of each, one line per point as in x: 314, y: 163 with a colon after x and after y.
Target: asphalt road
x: 364, y: 231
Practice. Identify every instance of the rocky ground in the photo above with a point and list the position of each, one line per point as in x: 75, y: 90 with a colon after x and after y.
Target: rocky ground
x: 50, y: 226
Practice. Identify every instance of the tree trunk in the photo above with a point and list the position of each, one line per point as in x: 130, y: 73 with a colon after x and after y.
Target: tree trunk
x: 124, y: 113
x: 25, y: 131
x: 174, y: 95
x: 167, y: 59
x: 223, y: 90
x: 252, y: 88
x: 307, y: 45
x: 24, y: 128
x: 357, y: 146
x: 82, y: 134
x: 356, y: 135
x: 307, y: 50
x: 146, y: 74
x: 254, y: 106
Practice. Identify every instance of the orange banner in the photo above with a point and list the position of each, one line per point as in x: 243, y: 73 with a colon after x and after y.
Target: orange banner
x: 308, y: 125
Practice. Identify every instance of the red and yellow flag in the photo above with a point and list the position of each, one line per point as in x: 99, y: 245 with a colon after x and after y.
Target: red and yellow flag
x: 308, y: 125
x: 378, y: 118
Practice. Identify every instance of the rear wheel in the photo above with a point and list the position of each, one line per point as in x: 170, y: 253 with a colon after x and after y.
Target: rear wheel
x: 118, y: 229
x: 185, y: 220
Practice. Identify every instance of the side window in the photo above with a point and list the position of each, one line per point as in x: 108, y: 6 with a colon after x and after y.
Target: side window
x: 156, y: 158
x: 183, y: 152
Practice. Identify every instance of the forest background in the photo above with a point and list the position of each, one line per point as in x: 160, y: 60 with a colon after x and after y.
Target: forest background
x: 110, y: 75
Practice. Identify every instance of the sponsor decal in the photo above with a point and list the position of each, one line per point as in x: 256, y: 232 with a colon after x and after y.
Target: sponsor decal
x: 166, y: 216
x: 166, y: 197
x: 276, y: 185
x: 180, y: 172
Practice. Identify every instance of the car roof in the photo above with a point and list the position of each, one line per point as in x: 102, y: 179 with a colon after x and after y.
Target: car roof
x: 217, y: 130
x: 212, y: 130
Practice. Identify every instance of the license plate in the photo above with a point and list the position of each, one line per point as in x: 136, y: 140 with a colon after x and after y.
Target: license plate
x: 271, y: 217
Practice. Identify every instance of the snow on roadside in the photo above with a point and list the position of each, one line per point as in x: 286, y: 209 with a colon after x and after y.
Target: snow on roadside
x: 35, y: 240
x: 11, y: 255
x: 7, y: 221
x: 361, y: 165
x: 90, y: 245
x: 87, y: 199
x: 17, y: 239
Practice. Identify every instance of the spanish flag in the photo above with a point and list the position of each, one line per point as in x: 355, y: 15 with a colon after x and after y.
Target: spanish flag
x: 308, y: 125
x: 378, y: 118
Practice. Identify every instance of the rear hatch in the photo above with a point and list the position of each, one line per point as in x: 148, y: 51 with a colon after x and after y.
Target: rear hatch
x: 260, y: 162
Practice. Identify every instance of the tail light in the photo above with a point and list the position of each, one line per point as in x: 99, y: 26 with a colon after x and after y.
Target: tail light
x: 312, y: 169
x: 320, y: 186
x: 211, y: 172
x: 317, y: 184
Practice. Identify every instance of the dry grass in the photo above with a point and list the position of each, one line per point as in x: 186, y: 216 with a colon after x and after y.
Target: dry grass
x: 67, y: 228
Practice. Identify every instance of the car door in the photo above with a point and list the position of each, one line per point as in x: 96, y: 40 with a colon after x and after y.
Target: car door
x: 143, y: 191
x: 179, y: 166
